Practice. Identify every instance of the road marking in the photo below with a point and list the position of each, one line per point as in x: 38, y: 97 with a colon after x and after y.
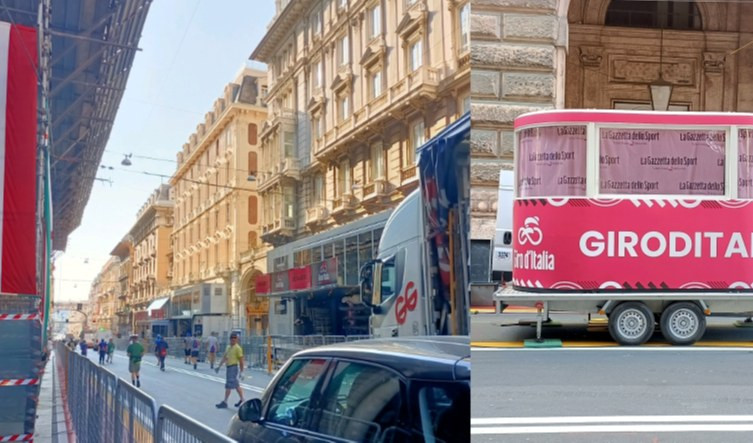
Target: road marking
x: 606, y: 344
x: 610, y: 419
x: 617, y: 424
x: 520, y: 348
x: 604, y: 429
x: 198, y: 374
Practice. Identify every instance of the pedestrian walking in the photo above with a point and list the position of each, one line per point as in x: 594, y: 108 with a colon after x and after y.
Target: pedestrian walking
x: 212, y: 348
x: 83, y: 346
x: 195, y: 345
x: 135, y: 351
x: 160, y: 348
x: 187, y: 348
x: 234, y: 372
x: 102, y: 348
x: 110, y: 350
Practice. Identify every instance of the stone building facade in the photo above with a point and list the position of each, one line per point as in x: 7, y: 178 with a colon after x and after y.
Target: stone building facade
x: 530, y: 55
x: 215, y: 239
x: 355, y: 87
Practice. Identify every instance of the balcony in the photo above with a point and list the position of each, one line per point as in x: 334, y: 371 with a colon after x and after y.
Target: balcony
x: 376, y: 194
x: 316, y: 216
x: 279, y: 231
x: 344, y: 205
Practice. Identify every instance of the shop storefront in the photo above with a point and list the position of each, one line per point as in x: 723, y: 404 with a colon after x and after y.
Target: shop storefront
x: 158, y: 311
x: 200, y: 309
x: 141, y: 323
x: 315, y: 281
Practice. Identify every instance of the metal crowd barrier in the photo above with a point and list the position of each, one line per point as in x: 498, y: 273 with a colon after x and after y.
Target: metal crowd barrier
x: 175, y: 427
x: 257, y: 349
x: 105, y: 408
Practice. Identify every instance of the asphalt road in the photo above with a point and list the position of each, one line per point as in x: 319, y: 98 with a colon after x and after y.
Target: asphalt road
x: 645, y: 394
x: 192, y: 392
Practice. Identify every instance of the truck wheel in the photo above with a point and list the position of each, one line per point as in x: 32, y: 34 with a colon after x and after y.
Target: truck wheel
x: 631, y: 323
x: 682, y: 323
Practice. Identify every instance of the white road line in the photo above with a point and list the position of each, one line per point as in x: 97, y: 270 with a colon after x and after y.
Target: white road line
x: 611, y: 419
x: 580, y: 429
x: 198, y: 374
x: 618, y: 349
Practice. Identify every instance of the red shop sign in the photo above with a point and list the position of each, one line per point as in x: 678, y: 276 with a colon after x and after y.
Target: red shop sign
x: 262, y: 284
x: 299, y: 278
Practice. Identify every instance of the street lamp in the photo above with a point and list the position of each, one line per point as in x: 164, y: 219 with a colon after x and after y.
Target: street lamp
x: 661, y: 90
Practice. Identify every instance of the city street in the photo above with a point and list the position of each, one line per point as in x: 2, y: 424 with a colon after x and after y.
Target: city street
x: 192, y: 392
x: 646, y: 394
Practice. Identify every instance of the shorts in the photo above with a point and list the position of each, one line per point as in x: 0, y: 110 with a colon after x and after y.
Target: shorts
x: 194, y: 353
x: 187, y: 352
x: 231, y: 380
x: 134, y: 366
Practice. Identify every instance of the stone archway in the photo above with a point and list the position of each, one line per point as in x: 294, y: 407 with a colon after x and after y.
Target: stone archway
x: 610, y: 67
x: 257, y: 307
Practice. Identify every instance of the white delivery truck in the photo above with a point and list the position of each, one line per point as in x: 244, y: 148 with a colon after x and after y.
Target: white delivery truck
x: 502, y: 258
x: 418, y: 283
x: 645, y: 217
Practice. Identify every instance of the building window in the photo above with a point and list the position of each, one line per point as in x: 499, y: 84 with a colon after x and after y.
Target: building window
x: 251, y: 134
x: 316, y: 20
x: 252, y: 166
x: 654, y: 14
x: 318, y: 74
x: 376, y: 154
x: 253, y: 210
x: 342, y: 3
x: 289, y: 203
x: 466, y: 103
x: 343, y: 50
x: 343, y: 107
x: 289, y: 144
x: 375, y: 83
x: 415, y: 55
x: 417, y: 138
x: 315, y: 134
x: 464, y: 22
x: 252, y: 239
x: 318, y: 189
x: 375, y: 26
x: 343, y: 178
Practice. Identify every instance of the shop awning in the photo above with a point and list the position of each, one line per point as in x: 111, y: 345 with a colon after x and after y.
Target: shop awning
x: 157, y: 304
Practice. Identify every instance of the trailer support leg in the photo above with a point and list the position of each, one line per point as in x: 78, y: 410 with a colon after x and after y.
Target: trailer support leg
x: 539, y: 320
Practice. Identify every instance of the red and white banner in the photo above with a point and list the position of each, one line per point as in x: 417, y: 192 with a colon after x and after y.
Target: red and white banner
x: 18, y: 156
x: 633, y: 244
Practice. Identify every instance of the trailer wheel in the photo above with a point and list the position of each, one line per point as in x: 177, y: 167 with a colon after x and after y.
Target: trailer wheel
x: 682, y: 323
x: 631, y: 323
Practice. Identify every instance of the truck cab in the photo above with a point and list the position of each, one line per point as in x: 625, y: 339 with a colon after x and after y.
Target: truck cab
x: 418, y: 283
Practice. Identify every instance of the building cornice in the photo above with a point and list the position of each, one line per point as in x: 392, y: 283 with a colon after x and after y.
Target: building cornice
x: 280, y: 27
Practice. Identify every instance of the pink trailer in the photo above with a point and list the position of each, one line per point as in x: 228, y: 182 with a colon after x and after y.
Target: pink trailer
x: 636, y: 215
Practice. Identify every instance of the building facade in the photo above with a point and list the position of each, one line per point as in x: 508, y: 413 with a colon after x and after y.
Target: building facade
x: 215, y: 240
x: 534, y: 55
x: 355, y: 87
x: 103, y: 297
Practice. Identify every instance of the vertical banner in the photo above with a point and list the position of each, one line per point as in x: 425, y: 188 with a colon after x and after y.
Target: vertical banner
x: 18, y: 157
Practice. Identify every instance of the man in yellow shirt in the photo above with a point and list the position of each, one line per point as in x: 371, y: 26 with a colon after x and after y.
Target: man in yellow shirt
x: 234, y: 359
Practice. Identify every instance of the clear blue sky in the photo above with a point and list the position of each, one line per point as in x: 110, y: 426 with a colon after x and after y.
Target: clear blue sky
x: 190, y: 50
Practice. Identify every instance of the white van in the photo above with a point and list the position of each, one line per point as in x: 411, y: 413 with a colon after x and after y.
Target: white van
x: 502, y: 257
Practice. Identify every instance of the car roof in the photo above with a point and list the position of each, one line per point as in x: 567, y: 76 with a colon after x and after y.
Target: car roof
x: 440, y: 357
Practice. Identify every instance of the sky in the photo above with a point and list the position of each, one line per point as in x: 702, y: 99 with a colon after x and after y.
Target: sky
x: 191, y: 49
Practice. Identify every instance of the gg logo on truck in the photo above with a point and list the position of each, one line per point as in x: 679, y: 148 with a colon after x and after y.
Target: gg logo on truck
x: 406, y: 302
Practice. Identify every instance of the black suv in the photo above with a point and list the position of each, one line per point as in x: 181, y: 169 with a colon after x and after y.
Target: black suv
x: 384, y: 390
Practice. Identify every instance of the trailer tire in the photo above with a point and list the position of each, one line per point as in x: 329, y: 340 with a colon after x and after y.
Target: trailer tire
x: 682, y: 323
x: 631, y: 323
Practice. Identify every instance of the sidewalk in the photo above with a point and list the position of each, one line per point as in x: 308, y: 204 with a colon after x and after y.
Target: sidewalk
x: 50, y: 424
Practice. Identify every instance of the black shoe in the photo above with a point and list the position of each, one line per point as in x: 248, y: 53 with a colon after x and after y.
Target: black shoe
x: 138, y: 383
x: 221, y: 405
x: 240, y: 402
x: 133, y: 382
x: 194, y: 366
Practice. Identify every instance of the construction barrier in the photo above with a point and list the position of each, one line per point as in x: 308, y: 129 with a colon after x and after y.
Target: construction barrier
x: 105, y: 408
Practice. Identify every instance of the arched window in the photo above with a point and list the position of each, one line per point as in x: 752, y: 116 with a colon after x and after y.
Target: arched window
x: 683, y: 15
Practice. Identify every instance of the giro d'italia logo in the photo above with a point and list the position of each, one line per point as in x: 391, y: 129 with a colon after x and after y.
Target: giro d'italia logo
x: 530, y: 233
